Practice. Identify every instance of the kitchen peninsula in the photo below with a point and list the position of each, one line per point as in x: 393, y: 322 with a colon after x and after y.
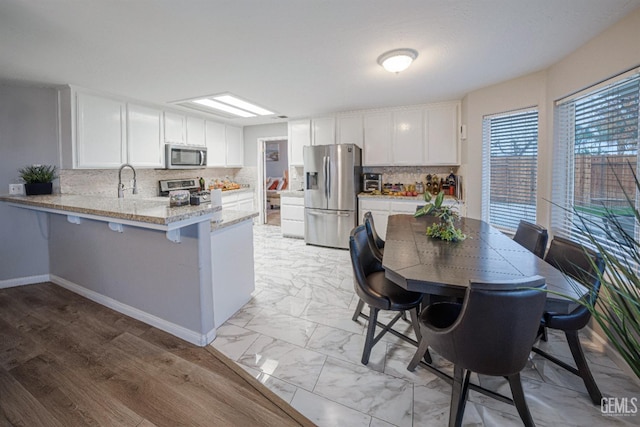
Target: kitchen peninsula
x: 170, y: 267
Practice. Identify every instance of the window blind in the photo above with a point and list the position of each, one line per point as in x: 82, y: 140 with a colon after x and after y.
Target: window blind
x: 596, y: 139
x: 510, y: 164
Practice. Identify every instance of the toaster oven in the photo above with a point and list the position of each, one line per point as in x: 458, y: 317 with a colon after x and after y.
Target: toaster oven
x: 371, y: 181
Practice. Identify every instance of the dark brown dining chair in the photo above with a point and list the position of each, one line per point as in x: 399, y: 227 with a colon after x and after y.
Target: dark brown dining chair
x: 490, y: 333
x: 585, y: 266
x: 379, y: 293
x: 378, y: 243
x: 533, y: 237
x: 377, y: 247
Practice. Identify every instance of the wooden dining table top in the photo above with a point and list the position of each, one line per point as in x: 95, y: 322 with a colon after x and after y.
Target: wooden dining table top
x: 420, y: 263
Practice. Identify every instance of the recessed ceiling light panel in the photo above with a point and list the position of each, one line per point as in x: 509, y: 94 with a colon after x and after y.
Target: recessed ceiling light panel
x: 239, y: 103
x: 226, y: 105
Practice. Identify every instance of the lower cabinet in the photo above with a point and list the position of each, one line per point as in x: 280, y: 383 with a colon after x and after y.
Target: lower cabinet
x: 381, y: 209
x: 292, y: 216
x: 240, y: 201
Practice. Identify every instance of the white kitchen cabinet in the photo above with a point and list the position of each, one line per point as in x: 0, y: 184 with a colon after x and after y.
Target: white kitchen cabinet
x: 441, y: 130
x: 350, y: 130
x: 245, y: 201
x: 216, y: 144
x: 299, y: 136
x: 225, y: 146
x: 145, y: 142
x: 381, y: 208
x: 408, y: 146
x: 101, y: 133
x: 237, y: 200
x: 292, y: 217
x: 235, y: 146
x: 195, y: 131
x: 377, y: 139
x: 323, y: 131
x: 175, y: 127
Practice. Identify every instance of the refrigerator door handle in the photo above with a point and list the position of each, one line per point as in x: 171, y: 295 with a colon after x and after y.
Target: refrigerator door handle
x: 328, y: 177
x: 325, y: 167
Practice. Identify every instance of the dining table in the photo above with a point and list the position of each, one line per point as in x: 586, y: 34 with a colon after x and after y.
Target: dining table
x: 432, y: 266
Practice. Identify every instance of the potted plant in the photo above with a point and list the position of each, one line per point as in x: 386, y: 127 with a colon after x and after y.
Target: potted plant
x: 617, y: 310
x: 38, y: 179
x: 445, y: 229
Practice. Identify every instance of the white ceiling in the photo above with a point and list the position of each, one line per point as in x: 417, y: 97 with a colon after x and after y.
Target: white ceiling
x: 299, y: 58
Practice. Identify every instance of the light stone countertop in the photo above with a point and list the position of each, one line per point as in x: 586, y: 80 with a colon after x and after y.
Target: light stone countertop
x: 154, y: 210
x: 291, y: 193
x: 231, y: 217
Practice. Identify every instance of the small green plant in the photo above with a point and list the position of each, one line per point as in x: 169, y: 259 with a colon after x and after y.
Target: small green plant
x: 38, y: 173
x: 445, y: 229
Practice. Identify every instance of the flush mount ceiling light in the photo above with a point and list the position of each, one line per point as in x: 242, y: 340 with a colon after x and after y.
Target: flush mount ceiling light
x: 397, y: 60
x: 226, y: 103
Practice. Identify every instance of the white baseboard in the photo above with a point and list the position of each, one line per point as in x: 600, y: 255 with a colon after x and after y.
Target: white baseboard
x: 176, y: 330
x: 20, y: 281
x: 610, y: 350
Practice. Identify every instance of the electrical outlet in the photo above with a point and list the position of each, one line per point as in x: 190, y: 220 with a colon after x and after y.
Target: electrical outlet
x: 16, y: 189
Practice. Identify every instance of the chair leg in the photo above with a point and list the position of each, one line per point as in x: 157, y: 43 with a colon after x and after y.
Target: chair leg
x: 422, y: 351
x: 416, y: 328
x: 371, y: 330
x: 583, y: 367
x: 519, y: 400
x: 459, y: 390
x: 359, y: 308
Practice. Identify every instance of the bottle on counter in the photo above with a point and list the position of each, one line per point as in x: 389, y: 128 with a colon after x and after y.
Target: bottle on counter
x: 452, y: 181
x: 201, y: 184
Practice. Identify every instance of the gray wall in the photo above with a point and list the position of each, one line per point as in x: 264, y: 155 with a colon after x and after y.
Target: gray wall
x: 251, y: 135
x: 28, y: 134
x: 273, y: 168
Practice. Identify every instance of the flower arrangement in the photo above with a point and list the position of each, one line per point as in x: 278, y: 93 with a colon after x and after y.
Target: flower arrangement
x: 445, y: 229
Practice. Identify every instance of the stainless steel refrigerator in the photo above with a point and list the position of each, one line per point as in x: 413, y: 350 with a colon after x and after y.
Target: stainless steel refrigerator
x: 332, y: 183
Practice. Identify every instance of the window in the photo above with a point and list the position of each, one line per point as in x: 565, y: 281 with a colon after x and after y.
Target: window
x: 596, y: 139
x: 509, y: 168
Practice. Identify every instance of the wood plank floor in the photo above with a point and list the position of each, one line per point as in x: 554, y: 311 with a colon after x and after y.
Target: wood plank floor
x: 67, y: 361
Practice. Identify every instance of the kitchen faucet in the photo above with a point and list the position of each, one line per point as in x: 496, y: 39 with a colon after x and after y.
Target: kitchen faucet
x: 121, y: 185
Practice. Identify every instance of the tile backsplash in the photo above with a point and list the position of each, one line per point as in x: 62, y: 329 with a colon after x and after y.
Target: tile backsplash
x: 104, y: 182
x: 409, y: 174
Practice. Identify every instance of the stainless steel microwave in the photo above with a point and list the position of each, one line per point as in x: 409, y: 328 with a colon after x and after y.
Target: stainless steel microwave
x: 185, y: 156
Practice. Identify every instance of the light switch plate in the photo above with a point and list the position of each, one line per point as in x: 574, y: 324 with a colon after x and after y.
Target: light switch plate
x: 16, y: 189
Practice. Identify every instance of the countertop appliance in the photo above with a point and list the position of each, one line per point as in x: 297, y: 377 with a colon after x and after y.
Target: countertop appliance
x: 185, y: 156
x: 371, y: 181
x: 192, y: 185
x: 332, y: 175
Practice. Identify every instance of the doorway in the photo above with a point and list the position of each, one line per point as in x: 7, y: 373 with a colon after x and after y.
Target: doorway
x: 273, y: 177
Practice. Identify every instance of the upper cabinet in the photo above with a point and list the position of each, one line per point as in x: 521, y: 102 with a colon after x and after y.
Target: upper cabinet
x: 408, y: 138
x: 225, y: 146
x: 350, y: 130
x: 377, y: 139
x: 412, y: 136
x: 299, y: 136
x: 175, y: 128
x: 235, y: 146
x: 216, y: 144
x: 442, y: 123
x: 103, y: 132
x: 195, y: 131
x: 144, y: 136
x: 323, y: 131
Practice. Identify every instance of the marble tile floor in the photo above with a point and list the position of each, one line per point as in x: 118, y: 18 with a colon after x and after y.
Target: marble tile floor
x: 297, y: 337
